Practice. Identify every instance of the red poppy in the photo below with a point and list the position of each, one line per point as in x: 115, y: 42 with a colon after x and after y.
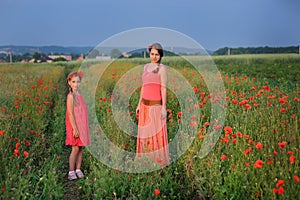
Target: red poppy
x: 223, y: 157
x: 275, y: 153
x: 18, y: 145
x: 200, y: 136
x: 280, y: 190
x: 296, y: 179
x: 270, y: 161
x: 279, y: 183
x: 1, y: 132
x: 258, y: 164
x: 248, y: 106
x: 259, y: 145
x: 247, y: 151
x: 292, y: 159
x: 282, y: 144
x: 156, y: 192
x: 16, y: 152
x: 179, y: 114
x: 227, y: 130
x: 206, y: 124
x: 26, y: 154
x: 247, y: 164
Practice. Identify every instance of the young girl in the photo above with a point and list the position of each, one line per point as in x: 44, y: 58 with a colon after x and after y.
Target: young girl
x: 77, y: 126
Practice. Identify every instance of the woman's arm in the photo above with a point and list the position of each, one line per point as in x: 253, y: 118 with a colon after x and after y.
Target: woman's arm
x: 163, y: 88
x: 140, y: 100
x: 70, y: 108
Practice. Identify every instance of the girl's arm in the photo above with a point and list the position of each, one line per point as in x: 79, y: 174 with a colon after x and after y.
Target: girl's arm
x: 70, y: 106
x: 163, y: 88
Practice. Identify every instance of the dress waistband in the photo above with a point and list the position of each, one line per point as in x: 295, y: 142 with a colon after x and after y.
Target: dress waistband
x: 151, y: 102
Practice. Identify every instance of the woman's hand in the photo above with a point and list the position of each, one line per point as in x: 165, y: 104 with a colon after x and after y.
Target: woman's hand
x: 163, y: 113
x: 137, y: 110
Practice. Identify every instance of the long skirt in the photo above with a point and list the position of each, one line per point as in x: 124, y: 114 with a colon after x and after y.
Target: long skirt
x: 152, y: 138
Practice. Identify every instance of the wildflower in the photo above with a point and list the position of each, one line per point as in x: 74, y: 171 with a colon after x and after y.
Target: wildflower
x: 200, y: 136
x: 18, y: 145
x: 248, y: 106
x: 206, y: 124
x: 156, y: 192
x: 1, y: 132
x: 279, y: 183
x: 247, y: 151
x: 223, y: 157
x: 275, y: 153
x: 247, y: 164
x: 296, y: 179
x: 258, y: 164
x: 227, y: 130
x: 16, y: 152
x: 25, y: 153
x: 270, y: 161
x: 282, y: 110
x: 292, y: 159
x: 282, y: 144
x: 259, y: 145
x: 179, y: 114
x: 280, y: 190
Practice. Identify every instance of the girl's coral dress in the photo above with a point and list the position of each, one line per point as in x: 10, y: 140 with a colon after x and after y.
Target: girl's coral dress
x: 152, y: 138
x: 81, y: 119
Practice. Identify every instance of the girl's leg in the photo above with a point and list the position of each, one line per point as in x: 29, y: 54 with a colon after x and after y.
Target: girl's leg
x: 79, y: 158
x: 73, y: 157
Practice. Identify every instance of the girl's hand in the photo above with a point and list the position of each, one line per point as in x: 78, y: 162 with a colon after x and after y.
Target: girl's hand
x: 163, y: 113
x: 75, y: 134
x: 137, y: 110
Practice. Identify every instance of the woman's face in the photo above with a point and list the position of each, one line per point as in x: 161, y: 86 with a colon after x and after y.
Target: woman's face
x: 154, y: 56
x: 75, y: 83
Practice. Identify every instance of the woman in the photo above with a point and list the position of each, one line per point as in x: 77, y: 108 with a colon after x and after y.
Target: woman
x: 152, y: 139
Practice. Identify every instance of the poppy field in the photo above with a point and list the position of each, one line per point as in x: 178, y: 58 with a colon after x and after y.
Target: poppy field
x: 255, y: 157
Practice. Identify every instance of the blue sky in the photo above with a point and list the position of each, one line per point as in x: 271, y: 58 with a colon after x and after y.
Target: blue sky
x: 212, y: 23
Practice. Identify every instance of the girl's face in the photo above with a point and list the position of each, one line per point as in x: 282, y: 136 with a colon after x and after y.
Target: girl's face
x: 74, y: 83
x: 154, y: 56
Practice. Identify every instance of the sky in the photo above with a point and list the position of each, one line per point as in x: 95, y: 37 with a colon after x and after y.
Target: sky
x: 213, y: 24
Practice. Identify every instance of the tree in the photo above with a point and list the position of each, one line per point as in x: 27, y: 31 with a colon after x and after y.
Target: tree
x: 115, y: 53
x: 36, y: 56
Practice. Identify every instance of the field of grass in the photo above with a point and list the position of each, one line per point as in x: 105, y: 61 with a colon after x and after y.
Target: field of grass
x: 256, y: 156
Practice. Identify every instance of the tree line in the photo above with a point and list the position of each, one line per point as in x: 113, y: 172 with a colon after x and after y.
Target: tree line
x: 256, y: 50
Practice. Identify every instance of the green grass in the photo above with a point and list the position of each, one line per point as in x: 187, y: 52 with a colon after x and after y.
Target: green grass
x: 262, y: 110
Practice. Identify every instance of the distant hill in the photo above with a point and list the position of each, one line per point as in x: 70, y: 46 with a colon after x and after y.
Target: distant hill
x: 256, y: 50
x: 20, y: 50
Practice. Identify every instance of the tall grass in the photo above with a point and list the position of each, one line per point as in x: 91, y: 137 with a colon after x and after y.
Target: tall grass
x: 256, y: 157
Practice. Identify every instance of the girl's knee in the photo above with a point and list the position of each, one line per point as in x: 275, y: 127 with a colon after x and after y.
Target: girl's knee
x: 75, y: 148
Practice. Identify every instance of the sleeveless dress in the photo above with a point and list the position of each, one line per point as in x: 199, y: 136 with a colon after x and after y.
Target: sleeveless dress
x: 81, y: 119
x: 152, y: 138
